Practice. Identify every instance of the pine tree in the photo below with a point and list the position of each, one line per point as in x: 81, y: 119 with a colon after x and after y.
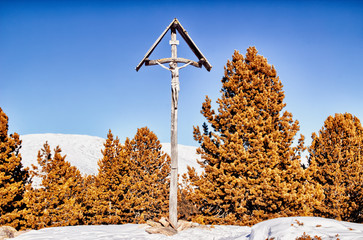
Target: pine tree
x: 148, y: 192
x: 110, y: 185
x: 252, y: 170
x: 336, y: 162
x: 131, y: 185
x: 57, y: 201
x: 90, y: 200
x: 12, y: 176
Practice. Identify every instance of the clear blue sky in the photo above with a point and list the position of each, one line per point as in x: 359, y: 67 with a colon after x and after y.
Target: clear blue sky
x: 69, y: 66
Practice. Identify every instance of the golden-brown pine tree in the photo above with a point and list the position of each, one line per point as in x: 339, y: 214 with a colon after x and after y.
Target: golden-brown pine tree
x: 90, y: 200
x: 12, y: 176
x: 110, y: 184
x: 148, y: 192
x: 131, y: 185
x: 57, y: 201
x: 252, y: 170
x: 336, y: 162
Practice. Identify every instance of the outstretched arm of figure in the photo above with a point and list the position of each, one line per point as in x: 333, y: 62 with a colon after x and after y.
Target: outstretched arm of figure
x: 161, y: 65
x: 190, y: 62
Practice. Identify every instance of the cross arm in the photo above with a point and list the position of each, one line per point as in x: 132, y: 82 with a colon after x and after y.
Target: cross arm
x: 168, y: 60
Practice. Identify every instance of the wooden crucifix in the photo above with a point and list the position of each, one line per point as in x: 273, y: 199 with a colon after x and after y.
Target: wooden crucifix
x: 175, y: 26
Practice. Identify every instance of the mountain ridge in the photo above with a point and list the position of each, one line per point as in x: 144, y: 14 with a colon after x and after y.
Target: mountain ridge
x: 84, y: 151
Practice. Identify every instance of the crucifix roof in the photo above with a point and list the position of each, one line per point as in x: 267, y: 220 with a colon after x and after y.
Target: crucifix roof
x: 175, y: 24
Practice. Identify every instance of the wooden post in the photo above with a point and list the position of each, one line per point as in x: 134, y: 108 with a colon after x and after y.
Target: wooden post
x: 174, y: 69
x: 173, y: 199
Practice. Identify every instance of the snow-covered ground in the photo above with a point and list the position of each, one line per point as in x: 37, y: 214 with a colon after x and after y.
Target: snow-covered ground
x: 277, y: 229
x: 84, y: 151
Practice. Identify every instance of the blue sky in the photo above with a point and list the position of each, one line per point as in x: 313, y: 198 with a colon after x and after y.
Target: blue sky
x: 69, y: 66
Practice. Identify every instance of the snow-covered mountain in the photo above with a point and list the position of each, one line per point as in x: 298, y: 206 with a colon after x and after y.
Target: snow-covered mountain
x: 84, y: 151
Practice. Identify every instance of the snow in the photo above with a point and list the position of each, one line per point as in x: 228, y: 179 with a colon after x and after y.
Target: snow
x: 187, y: 156
x: 130, y: 231
x: 292, y: 227
x: 84, y: 151
x: 278, y: 229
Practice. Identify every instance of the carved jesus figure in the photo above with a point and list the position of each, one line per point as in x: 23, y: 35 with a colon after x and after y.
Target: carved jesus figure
x: 174, y: 69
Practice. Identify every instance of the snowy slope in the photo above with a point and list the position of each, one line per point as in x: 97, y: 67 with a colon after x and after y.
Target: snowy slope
x: 84, y: 151
x: 187, y: 156
x: 277, y: 229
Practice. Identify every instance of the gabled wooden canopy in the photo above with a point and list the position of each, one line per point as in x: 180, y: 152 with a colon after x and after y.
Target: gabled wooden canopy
x: 175, y: 24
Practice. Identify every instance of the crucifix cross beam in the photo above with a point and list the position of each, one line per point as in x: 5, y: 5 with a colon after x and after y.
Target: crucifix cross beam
x: 175, y: 26
x: 177, y: 60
